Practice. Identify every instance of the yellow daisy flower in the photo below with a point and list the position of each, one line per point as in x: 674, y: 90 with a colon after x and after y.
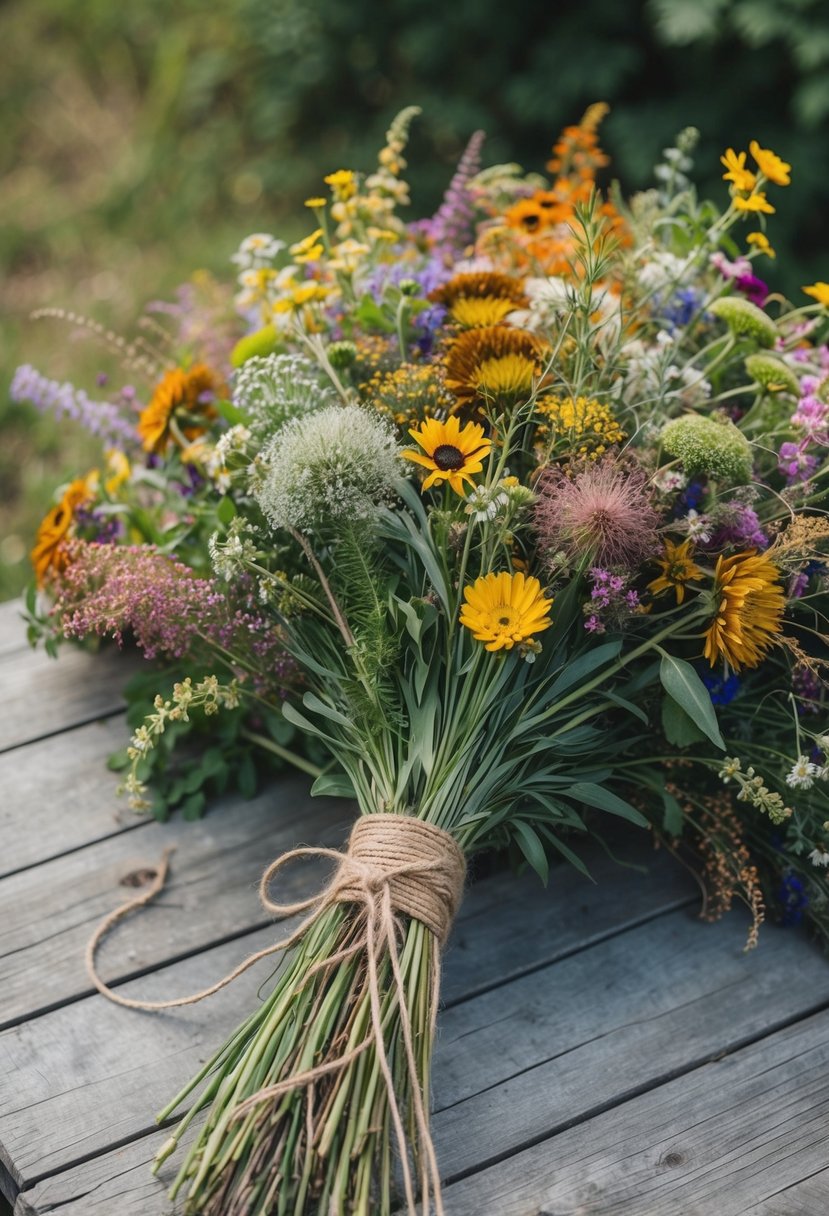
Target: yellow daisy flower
x: 309, y: 249
x: 452, y: 453
x: 49, y: 553
x: 775, y: 169
x: 820, y: 292
x: 502, y: 609
x: 761, y: 243
x: 754, y: 202
x: 736, y: 171
x: 750, y: 607
x: 342, y: 184
x: 678, y: 568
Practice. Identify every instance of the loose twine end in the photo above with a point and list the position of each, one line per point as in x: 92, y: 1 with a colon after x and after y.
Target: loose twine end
x: 394, y: 864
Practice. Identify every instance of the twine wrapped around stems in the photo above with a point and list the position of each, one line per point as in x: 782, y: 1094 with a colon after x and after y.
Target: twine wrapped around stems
x: 394, y: 865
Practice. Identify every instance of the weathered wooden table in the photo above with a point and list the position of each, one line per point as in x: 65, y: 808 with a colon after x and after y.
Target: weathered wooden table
x: 600, y: 1050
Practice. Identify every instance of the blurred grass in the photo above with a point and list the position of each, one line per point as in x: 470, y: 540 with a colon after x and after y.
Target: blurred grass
x: 139, y: 143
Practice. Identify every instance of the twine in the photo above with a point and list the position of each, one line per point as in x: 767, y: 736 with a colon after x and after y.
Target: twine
x: 394, y: 864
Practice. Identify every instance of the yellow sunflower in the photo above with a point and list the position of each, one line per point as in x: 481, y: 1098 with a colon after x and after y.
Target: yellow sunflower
x: 495, y: 362
x: 49, y: 552
x: 502, y: 609
x: 750, y: 607
x: 176, y: 390
x: 452, y: 453
x: 477, y: 300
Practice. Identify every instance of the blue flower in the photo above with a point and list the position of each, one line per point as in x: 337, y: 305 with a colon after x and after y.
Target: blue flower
x: 722, y: 690
x: 793, y: 900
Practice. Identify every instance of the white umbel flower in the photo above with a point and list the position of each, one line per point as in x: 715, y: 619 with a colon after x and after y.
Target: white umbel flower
x: 336, y: 464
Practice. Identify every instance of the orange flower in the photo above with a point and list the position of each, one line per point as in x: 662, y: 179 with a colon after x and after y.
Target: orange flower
x: 49, y: 553
x: 177, y: 390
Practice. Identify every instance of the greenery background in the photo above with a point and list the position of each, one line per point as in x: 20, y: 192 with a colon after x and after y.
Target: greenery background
x: 141, y: 144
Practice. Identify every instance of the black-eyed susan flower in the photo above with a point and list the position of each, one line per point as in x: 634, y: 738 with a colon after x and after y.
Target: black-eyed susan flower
x: 495, y: 363
x: 49, y: 553
x: 504, y: 609
x: 771, y: 165
x: 451, y: 453
x: 481, y: 299
x: 749, y: 608
x: 678, y: 568
x: 178, y: 390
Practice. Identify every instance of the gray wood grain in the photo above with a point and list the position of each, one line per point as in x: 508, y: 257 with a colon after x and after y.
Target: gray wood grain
x: 742, y: 1135
x: 598, y: 1026
x: 515, y: 1062
x: 48, y: 912
x: 58, y: 795
x: 42, y: 696
x: 12, y: 628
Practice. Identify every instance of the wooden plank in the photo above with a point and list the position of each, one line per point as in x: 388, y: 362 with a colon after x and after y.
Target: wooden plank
x: 12, y: 628
x: 512, y: 1063
x: 564, y: 1042
x: 48, y: 913
x: 58, y: 795
x: 42, y: 696
x: 742, y: 1135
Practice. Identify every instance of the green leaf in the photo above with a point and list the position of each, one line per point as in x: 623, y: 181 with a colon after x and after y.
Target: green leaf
x: 118, y: 761
x: 370, y: 314
x: 604, y: 800
x: 682, y: 683
x: 226, y: 510
x: 568, y: 853
x: 678, y: 728
x: 333, y: 785
x: 532, y: 848
x: 672, y: 818
x: 193, y: 807
x: 581, y: 667
x: 246, y: 776
x: 232, y: 413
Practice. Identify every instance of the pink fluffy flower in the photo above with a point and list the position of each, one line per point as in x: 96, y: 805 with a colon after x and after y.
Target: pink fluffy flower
x: 602, y: 513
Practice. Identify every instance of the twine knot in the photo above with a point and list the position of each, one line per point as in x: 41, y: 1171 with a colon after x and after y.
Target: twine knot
x: 423, y: 867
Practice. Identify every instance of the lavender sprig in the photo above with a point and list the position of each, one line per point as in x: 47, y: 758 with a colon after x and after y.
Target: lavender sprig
x: 101, y: 418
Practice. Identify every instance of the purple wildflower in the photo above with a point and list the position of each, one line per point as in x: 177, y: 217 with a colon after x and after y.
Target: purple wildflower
x: 451, y: 228
x: 121, y: 590
x: 753, y: 289
x: 795, y: 463
x: 102, y: 418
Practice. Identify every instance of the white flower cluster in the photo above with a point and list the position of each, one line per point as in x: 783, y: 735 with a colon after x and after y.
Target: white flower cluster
x: 232, y: 442
x: 652, y: 376
x: 273, y: 389
x: 335, y: 464
x: 231, y: 554
x: 554, y: 299
x: 663, y: 270
x: 257, y: 250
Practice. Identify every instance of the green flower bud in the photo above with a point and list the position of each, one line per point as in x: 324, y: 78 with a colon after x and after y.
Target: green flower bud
x: 772, y: 374
x: 264, y: 342
x: 743, y: 317
x: 709, y: 445
x: 342, y: 354
x: 409, y: 287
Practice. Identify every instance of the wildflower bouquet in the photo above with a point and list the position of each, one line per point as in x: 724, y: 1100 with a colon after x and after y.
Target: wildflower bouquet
x: 532, y: 495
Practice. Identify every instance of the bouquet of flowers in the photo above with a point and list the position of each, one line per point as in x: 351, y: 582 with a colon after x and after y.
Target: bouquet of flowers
x: 517, y: 513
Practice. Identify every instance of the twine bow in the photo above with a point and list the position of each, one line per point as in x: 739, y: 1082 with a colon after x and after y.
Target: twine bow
x: 394, y: 864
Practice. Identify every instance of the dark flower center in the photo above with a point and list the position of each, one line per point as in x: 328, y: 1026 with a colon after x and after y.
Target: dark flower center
x: 448, y: 457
